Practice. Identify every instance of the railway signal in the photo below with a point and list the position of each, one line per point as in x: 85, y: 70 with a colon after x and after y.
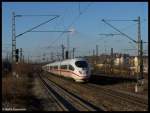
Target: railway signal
x: 17, y: 55
x: 67, y: 54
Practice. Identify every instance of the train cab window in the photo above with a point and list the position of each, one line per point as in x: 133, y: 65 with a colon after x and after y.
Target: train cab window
x: 71, y: 67
x: 63, y: 66
x: 81, y: 64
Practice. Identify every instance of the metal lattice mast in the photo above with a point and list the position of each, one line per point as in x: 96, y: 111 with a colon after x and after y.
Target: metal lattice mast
x: 73, y: 53
x: 140, y: 51
x: 138, y: 46
x: 68, y: 41
x: 62, y: 51
x: 13, y: 38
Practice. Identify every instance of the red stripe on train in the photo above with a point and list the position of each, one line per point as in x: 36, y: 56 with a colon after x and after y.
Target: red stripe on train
x: 67, y: 71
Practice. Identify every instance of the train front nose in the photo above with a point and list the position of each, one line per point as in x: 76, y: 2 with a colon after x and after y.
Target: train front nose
x: 84, y: 73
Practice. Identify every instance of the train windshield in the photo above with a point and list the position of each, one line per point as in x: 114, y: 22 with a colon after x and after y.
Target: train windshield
x: 81, y: 64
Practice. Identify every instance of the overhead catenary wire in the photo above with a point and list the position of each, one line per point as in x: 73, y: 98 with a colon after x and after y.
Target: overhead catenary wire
x: 37, y: 26
x: 71, y: 24
x: 50, y: 31
x: 62, y: 18
x: 119, y: 31
x: 112, y: 34
x: 119, y: 20
x: 33, y: 15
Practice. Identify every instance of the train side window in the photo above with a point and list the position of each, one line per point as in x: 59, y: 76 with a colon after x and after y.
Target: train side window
x: 63, y: 66
x: 71, y: 67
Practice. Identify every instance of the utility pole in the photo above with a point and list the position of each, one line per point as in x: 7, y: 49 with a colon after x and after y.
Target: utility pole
x: 112, y: 59
x: 138, y: 44
x: 13, y: 38
x: 140, y: 54
x: 140, y: 51
x: 68, y: 46
x: 62, y: 51
x: 140, y: 77
x: 73, y: 53
x: 13, y: 44
x: 96, y: 53
x: 96, y: 50
x: 20, y: 54
x: 141, y: 61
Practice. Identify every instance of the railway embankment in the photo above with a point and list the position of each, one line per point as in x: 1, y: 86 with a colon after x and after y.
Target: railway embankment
x: 24, y: 92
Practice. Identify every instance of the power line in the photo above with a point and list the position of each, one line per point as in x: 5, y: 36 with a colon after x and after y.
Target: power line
x: 71, y: 24
x: 110, y: 34
x: 37, y: 26
x: 119, y: 31
x: 34, y: 15
x: 50, y: 31
x: 120, y: 20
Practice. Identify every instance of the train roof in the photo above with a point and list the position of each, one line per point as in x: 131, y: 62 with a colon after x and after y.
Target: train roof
x: 67, y: 61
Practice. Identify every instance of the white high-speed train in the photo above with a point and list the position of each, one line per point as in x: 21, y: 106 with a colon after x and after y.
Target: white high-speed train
x: 77, y: 68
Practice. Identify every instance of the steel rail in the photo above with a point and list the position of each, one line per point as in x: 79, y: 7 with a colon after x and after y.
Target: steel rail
x: 128, y: 98
x: 123, y: 97
x: 76, y: 101
x: 59, y: 104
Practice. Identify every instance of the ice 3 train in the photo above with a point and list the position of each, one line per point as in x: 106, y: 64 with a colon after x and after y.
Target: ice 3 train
x: 77, y: 68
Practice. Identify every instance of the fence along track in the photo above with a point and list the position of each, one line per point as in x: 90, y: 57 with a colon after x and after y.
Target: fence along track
x: 70, y: 100
x: 128, y: 98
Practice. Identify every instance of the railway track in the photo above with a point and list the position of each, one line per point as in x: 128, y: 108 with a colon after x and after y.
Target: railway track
x: 50, y: 94
x: 66, y: 100
x: 141, y: 102
x: 122, y: 98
